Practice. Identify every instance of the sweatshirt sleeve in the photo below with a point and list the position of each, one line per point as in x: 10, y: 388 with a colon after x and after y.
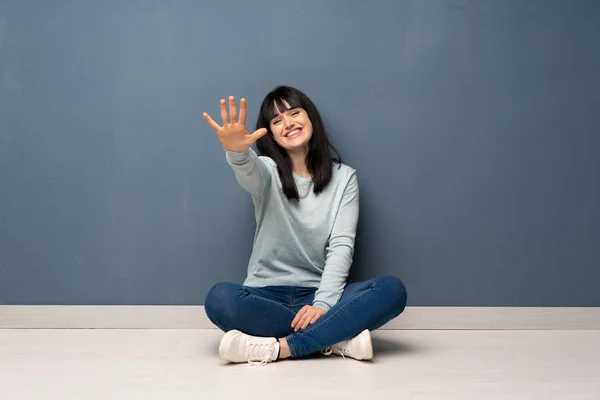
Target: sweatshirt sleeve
x: 340, y: 249
x: 251, y: 172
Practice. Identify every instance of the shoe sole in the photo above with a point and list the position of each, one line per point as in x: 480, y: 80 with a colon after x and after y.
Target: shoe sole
x: 225, y: 341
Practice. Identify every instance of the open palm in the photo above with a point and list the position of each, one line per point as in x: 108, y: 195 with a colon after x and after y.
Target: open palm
x: 233, y: 135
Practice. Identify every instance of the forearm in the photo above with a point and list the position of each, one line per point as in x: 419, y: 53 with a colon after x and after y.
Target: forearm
x: 340, y: 250
x: 250, y: 171
x: 333, y: 281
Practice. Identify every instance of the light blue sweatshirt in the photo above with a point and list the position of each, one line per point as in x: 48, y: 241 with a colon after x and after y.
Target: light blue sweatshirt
x: 308, y: 243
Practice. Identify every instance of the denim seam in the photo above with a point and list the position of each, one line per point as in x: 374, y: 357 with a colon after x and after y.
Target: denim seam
x: 319, y: 324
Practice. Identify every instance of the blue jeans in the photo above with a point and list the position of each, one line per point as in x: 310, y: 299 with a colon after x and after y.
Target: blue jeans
x: 269, y: 311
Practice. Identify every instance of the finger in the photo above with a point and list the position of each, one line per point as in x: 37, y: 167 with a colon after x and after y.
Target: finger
x: 210, y: 121
x: 224, y: 113
x: 243, y: 111
x: 232, y: 110
x: 299, y: 315
x: 304, y: 322
x: 258, y: 134
x: 315, y: 319
x: 305, y: 318
x: 296, y: 319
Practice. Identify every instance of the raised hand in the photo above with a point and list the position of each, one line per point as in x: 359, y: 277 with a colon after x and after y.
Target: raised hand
x: 233, y: 134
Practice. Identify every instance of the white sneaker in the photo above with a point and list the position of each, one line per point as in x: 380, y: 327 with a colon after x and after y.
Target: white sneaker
x: 239, y: 347
x: 359, y: 347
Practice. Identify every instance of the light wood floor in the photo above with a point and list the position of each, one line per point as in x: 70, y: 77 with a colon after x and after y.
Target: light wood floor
x: 408, y: 364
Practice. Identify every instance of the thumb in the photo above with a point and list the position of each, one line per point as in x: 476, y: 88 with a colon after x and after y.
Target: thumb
x: 258, y: 134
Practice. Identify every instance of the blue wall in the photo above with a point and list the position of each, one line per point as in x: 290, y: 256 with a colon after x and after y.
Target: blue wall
x: 473, y: 124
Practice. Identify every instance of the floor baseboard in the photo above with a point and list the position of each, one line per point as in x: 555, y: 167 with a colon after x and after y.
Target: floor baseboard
x: 194, y: 317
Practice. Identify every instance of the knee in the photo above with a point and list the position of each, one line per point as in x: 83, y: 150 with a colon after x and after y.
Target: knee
x: 218, y: 299
x: 396, y: 292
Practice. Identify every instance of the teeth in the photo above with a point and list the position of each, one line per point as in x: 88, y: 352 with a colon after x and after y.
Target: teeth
x: 292, y: 133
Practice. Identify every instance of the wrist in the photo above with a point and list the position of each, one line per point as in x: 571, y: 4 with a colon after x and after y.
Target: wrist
x: 319, y: 304
x: 235, y: 149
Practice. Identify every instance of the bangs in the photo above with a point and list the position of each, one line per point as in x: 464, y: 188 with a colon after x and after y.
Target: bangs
x: 276, y: 102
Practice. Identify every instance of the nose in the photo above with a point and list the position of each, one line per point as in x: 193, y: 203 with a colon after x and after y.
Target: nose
x: 288, y: 121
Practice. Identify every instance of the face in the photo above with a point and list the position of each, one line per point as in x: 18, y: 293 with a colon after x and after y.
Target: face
x: 292, y: 128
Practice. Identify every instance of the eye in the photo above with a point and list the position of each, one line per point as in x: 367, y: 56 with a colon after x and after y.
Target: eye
x: 295, y: 112
x: 276, y: 122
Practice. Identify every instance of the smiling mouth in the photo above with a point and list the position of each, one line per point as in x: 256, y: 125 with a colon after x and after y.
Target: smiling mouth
x: 293, y: 133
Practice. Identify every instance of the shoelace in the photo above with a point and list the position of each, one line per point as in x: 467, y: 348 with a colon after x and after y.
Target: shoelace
x: 259, y: 353
x: 329, y: 350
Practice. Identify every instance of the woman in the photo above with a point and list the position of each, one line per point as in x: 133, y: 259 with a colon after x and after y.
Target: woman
x: 295, y: 300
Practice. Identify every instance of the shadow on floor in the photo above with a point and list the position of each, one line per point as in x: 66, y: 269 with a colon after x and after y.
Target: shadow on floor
x: 382, y: 346
x: 398, y: 346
